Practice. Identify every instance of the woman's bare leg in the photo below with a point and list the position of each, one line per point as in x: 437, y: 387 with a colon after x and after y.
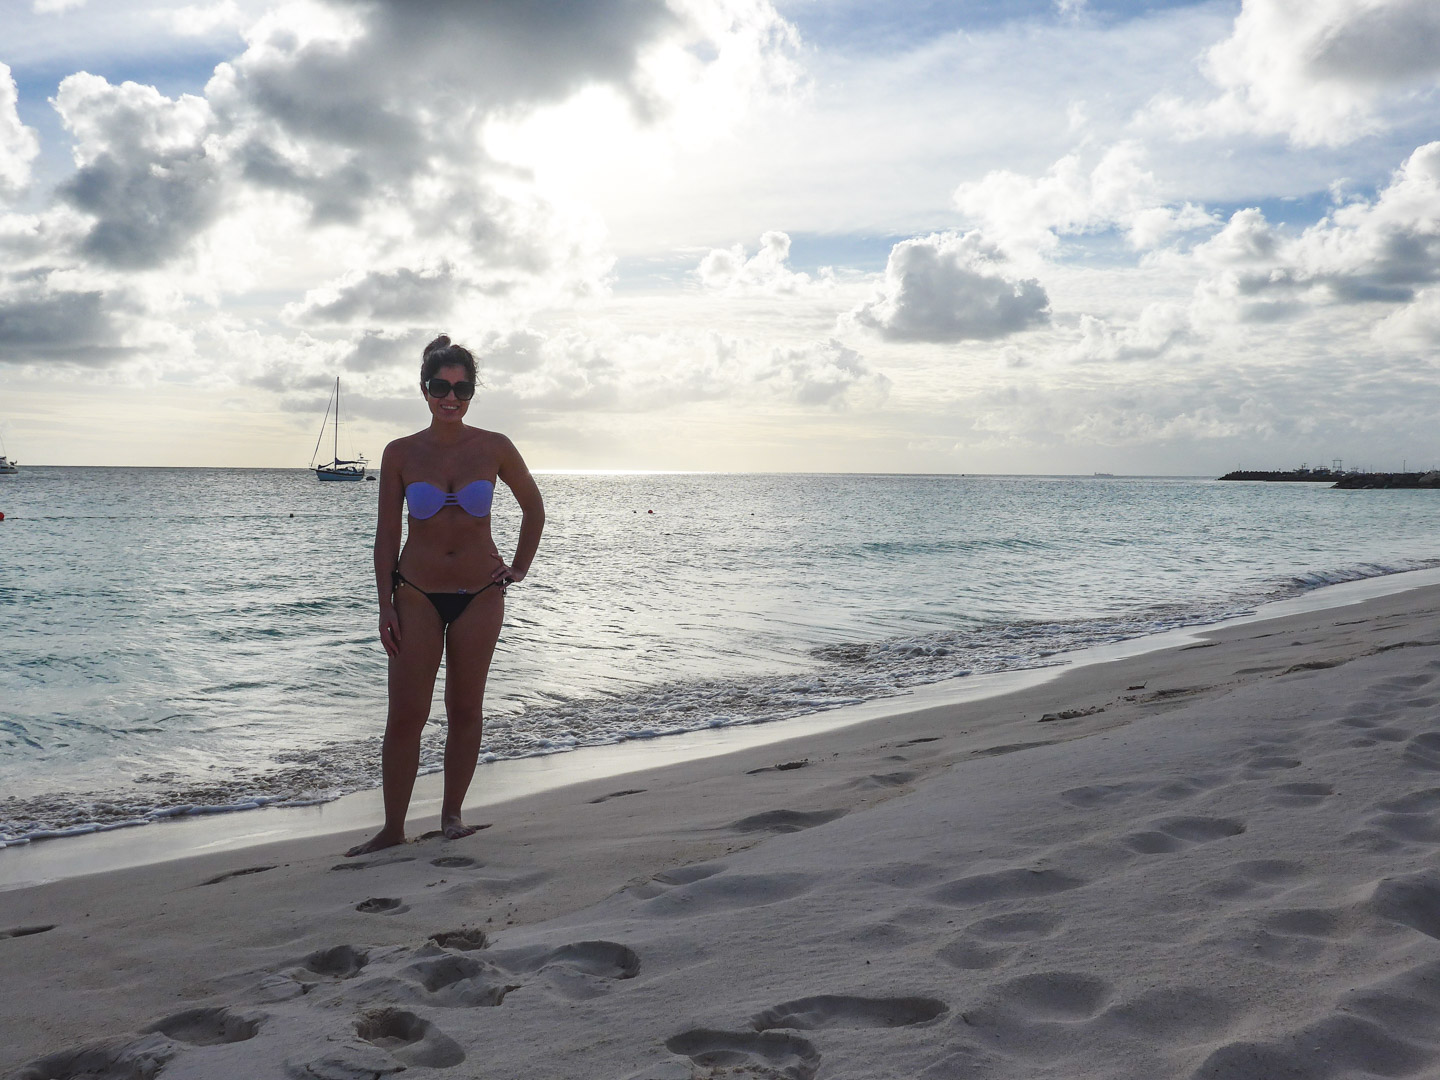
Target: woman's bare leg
x: 412, y: 687
x: 469, y: 648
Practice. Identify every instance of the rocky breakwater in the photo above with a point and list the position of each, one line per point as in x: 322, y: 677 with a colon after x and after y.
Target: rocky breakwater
x: 1429, y: 479
x: 1301, y: 475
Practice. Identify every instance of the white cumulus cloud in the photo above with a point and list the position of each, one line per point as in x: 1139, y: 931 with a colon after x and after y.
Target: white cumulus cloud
x: 647, y: 372
x: 1382, y: 250
x: 948, y: 287
x: 1158, y: 327
x: 1317, y: 71
x: 18, y: 144
x: 340, y: 161
x: 1117, y: 191
x: 145, y: 177
x: 765, y: 273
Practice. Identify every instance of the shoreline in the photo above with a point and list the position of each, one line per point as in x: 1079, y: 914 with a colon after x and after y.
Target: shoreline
x: 43, y: 861
x: 106, y: 729
x: 1133, y: 889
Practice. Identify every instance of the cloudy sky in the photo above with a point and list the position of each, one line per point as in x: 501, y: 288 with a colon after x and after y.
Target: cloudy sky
x: 918, y: 236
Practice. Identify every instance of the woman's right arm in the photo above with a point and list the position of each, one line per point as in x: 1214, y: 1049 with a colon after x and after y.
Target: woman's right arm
x: 387, y: 544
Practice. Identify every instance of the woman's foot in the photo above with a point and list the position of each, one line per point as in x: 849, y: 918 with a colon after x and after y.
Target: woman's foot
x: 381, y: 840
x: 453, y: 828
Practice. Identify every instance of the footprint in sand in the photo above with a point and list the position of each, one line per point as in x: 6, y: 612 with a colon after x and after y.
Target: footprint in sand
x: 618, y: 795
x: 1412, y: 900
x: 458, y: 982
x: 456, y: 862
x: 371, y: 864
x: 583, y: 969
x: 382, y: 905
x: 1299, y: 795
x: 1036, y: 1015
x: 729, y: 892
x: 1298, y: 937
x: 1410, y: 819
x: 1017, y: 884
x: 1315, y: 665
x: 668, y: 879
x: 905, y: 875
x: 132, y: 1059
x: 1187, y: 787
x: 884, y: 780
x: 764, y: 1053
x: 1178, y: 1014
x: 340, y: 962
x: 353, y: 1060
x: 464, y: 940
x: 680, y: 876
x: 1093, y: 795
x: 603, y: 959
x: 1401, y: 684
x: 1009, y: 748
x: 26, y: 931
x: 1177, y: 790
x: 972, y: 956
x: 1423, y: 751
x: 783, y: 766
x: 409, y: 1038
x: 839, y: 1010
x: 336, y: 964
x: 247, y: 871
x: 207, y: 1027
x: 1340, y: 1044
x: 1168, y: 835
x: 1257, y: 879
x: 1265, y: 758
x: 1056, y: 995
x: 784, y: 821
x: 1016, y: 926
x: 1374, y: 732
x: 1362, y: 717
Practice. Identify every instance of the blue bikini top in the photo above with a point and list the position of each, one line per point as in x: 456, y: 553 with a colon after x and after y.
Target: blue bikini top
x: 426, y: 500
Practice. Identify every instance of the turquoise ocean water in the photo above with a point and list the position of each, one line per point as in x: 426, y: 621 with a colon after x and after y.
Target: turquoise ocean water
x: 179, y: 641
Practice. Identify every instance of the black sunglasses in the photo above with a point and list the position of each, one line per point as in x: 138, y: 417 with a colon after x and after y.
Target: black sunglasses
x: 438, y: 388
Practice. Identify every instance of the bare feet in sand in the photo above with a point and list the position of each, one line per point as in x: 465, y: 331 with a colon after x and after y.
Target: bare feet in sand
x: 453, y: 828
x: 378, y: 842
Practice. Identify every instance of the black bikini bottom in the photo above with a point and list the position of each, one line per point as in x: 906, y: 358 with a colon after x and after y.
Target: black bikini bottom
x: 449, y: 605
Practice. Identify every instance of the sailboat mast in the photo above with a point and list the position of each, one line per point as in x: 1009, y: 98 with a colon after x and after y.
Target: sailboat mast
x: 337, y: 417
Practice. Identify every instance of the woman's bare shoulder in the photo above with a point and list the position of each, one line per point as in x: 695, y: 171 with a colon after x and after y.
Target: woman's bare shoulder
x: 399, y: 452
x: 491, y: 444
x: 405, y: 444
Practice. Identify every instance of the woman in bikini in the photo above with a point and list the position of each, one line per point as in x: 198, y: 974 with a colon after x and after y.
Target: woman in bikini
x: 445, y: 593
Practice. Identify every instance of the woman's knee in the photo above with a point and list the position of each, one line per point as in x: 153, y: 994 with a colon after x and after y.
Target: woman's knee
x: 464, y: 720
x: 405, y: 724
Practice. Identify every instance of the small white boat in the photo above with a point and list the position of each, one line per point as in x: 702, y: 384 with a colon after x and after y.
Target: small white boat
x: 337, y: 468
x: 7, y: 466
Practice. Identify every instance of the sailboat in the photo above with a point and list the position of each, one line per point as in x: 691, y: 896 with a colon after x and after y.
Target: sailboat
x: 337, y: 468
x: 7, y: 467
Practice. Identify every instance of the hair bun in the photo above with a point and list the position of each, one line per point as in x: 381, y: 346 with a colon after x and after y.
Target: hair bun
x: 441, y: 342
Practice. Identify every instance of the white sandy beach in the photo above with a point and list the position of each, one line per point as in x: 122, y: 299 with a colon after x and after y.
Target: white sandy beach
x: 1230, y: 870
